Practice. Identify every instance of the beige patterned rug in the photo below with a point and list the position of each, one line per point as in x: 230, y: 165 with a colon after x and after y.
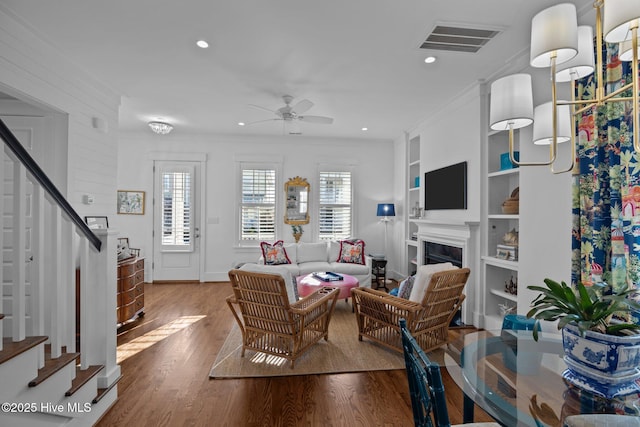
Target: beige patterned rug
x: 341, y: 354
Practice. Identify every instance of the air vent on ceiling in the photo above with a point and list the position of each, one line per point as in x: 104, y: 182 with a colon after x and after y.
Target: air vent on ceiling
x: 458, y: 39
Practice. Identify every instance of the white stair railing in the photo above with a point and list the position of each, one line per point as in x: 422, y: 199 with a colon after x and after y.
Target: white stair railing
x: 48, y: 243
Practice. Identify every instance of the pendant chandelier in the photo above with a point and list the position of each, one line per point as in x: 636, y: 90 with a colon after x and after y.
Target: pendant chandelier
x: 559, y: 43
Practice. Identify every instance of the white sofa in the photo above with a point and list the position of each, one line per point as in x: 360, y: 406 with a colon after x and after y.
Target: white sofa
x: 309, y: 257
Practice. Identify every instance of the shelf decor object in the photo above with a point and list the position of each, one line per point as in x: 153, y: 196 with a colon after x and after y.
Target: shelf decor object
x: 557, y: 42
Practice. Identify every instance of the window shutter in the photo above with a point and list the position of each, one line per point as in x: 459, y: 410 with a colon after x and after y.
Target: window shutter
x: 258, y: 208
x: 335, y: 205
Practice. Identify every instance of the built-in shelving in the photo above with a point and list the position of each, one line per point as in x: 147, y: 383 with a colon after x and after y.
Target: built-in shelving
x: 497, y: 273
x: 413, y: 199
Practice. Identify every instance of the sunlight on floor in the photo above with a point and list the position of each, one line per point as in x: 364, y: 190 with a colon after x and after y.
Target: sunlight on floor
x: 150, y: 338
x: 268, y: 359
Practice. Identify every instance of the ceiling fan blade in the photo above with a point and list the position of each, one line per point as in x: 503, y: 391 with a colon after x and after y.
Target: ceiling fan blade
x: 316, y: 119
x: 302, y: 106
x: 261, y: 108
x: 261, y: 121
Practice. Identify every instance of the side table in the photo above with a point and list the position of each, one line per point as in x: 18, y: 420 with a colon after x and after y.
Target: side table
x: 379, y: 271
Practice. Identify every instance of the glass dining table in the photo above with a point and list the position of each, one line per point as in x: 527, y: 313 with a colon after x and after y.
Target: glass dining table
x: 519, y: 382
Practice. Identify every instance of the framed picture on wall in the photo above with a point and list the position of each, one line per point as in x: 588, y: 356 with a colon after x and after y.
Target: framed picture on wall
x: 130, y: 202
x: 97, y: 222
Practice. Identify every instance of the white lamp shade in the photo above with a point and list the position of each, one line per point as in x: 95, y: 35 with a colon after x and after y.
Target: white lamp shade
x: 583, y: 63
x: 554, y: 31
x: 625, y: 53
x: 543, y: 124
x: 618, y: 16
x: 511, y: 102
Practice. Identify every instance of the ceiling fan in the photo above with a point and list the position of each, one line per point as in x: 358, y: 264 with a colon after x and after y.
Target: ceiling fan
x: 290, y: 113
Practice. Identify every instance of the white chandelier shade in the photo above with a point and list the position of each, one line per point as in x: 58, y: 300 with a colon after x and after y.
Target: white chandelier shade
x: 511, y: 102
x: 619, y: 17
x: 571, y: 53
x: 554, y: 33
x: 543, y: 124
x: 625, y: 53
x: 583, y: 64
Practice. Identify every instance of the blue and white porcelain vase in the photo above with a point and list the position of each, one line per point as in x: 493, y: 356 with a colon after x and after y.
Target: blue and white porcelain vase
x: 605, y: 365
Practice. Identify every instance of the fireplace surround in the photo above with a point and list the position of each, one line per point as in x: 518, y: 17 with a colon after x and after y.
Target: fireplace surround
x: 455, y: 242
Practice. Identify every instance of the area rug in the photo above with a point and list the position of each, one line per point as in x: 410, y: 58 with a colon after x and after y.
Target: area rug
x: 343, y: 353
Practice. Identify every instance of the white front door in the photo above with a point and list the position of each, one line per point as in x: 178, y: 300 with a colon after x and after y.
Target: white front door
x: 176, y: 247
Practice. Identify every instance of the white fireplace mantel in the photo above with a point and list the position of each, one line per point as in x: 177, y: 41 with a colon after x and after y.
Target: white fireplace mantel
x: 461, y: 234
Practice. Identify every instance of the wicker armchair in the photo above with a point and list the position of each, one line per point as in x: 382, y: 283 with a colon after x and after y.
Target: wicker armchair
x: 379, y: 313
x: 271, y: 325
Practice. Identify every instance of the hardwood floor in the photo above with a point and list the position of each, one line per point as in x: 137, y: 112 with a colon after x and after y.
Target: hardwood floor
x: 166, y: 383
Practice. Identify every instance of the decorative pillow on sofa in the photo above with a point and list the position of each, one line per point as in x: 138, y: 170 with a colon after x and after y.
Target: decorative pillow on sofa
x: 274, y: 254
x: 404, y: 290
x: 351, y: 251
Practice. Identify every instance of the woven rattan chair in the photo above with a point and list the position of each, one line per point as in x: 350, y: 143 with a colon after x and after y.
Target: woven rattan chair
x: 379, y: 313
x: 271, y: 325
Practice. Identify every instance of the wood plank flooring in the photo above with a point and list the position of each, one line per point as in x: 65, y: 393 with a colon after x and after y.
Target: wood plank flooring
x: 166, y: 382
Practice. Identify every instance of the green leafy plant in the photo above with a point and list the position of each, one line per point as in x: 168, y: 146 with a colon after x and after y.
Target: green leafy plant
x: 589, y: 308
x: 297, y: 229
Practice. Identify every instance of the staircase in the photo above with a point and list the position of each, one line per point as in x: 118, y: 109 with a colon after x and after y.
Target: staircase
x: 44, y: 379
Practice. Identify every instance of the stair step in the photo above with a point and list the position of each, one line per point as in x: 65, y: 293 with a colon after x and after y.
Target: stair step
x: 51, y: 366
x: 82, y: 377
x: 103, y: 391
x: 11, y: 349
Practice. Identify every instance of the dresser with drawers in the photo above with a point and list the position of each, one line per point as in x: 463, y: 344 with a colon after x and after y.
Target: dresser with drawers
x: 130, y: 300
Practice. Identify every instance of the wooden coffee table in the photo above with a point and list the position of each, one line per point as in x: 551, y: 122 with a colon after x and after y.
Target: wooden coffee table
x: 309, y: 284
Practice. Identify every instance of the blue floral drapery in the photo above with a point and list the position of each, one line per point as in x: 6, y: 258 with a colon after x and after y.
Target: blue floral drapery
x: 606, y: 190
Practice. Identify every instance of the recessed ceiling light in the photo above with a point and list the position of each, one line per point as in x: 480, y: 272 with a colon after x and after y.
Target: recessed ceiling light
x: 430, y: 59
x: 365, y: 128
x: 240, y: 123
x: 202, y: 44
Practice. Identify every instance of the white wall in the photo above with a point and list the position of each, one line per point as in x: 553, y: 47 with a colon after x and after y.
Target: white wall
x: 373, y: 169
x: 453, y: 136
x: 36, y: 73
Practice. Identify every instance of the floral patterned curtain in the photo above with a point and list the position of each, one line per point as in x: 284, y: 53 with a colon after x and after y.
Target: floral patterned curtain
x: 606, y: 190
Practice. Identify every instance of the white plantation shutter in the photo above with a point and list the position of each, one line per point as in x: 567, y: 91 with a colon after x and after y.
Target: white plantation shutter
x: 258, y: 205
x: 177, y: 214
x: 335, y: 205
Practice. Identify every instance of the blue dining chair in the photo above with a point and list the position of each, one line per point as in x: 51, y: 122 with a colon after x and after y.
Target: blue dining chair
x: 428, y: 399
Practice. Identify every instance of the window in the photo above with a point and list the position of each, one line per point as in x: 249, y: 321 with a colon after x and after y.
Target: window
x: 177, y: 197
x: 258, y: 204
x: 335, y: 210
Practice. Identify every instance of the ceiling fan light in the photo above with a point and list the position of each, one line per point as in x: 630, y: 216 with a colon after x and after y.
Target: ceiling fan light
x: 161, y: 128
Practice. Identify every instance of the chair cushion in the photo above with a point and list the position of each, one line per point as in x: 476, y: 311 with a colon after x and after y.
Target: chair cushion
x: 274, y: 254
x: 351, y: 251
x: 423, y: 277
x: 289, y: 279
x: 406, y: 286
x: 309, y: 252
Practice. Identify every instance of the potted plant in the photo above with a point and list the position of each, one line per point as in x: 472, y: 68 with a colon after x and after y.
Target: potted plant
x: 602, y: 351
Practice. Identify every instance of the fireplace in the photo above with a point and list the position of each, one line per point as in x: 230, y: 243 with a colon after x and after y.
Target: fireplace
x: 436, y: 253
x: 456, y: 242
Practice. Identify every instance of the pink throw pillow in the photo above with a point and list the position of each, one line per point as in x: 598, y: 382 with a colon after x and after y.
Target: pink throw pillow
x: 351, y: 251
x: 274, y: 254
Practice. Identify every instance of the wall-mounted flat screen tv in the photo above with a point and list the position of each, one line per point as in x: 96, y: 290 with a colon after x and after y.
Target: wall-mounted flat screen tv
x: 446, y: 188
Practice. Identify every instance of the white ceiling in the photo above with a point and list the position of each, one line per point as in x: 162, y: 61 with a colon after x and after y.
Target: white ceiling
x: 358, y: 61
